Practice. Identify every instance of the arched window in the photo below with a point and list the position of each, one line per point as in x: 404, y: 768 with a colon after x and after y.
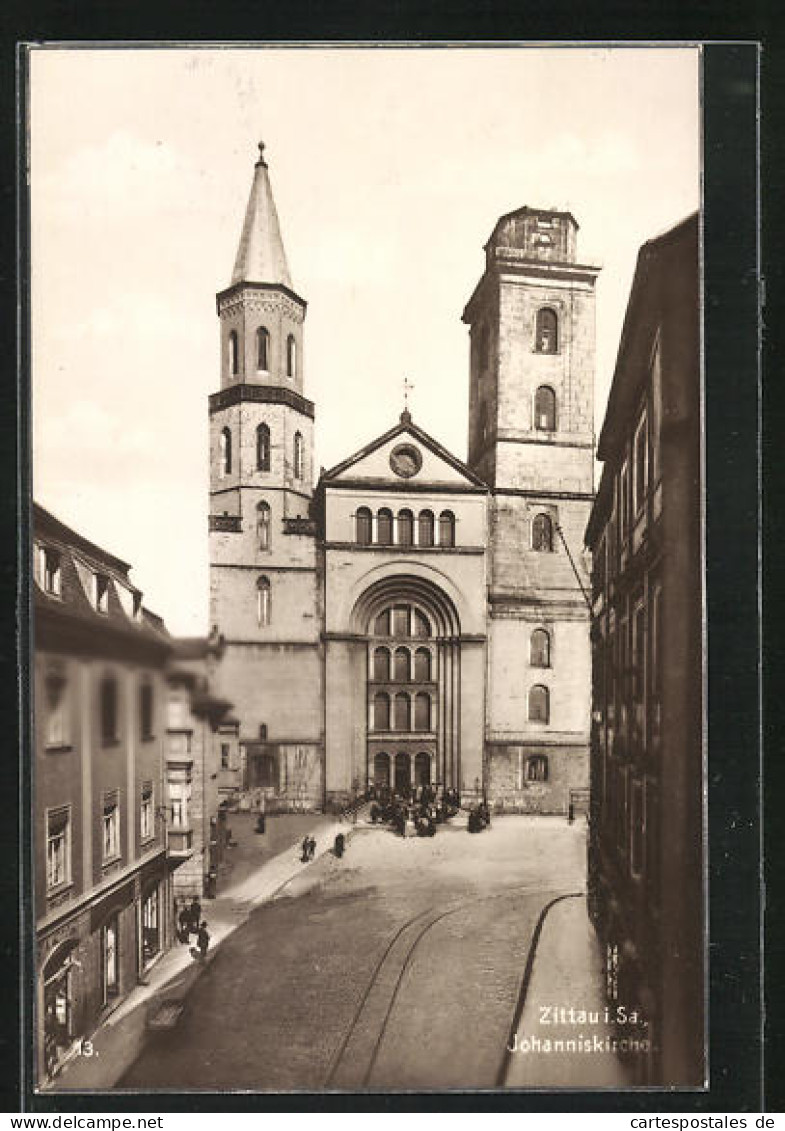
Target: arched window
x: 381, y: 665
x: 298, y: 455
x: 422, y: 768
x: 263, y: 525
x: 422, y: 711
x: 422, y: 665
x: 420, y: 624
x: 234, y: 354
x: 384, y: 527
x: 402, y: 712
x: 405, y: 528
x: 262, y: 350
x: 291, y: 356
x: 545, y: 409
x: 425, y: 524
x: 363, y: 526
x: 225, y: 456
x: 547, y: 331
x: 262, y: 448
x: 446, y: 528
x: 402, y: 664
x: 542, y: 533
x: 540, y: 656
x: 537, y: 768
x: 381, y: 770
x: 539, y: 705
x: 263, y: 602
x: 381, y: 711
x: 381, y: 625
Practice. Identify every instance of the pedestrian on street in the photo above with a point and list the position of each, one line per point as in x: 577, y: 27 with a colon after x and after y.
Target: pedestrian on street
x: 311, y: 848
x: 194, y: 915
x: 306, y: 845
x: 184, y: 923
x: 203, y: 940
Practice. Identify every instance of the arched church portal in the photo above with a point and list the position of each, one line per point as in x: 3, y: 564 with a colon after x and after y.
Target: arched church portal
x: 413, y: 677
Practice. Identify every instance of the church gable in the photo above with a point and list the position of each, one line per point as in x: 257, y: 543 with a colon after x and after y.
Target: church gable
x: 405, y: 456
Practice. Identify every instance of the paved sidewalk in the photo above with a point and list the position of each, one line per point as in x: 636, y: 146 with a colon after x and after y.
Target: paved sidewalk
x: 568, y: 974
x: 119, y: 1040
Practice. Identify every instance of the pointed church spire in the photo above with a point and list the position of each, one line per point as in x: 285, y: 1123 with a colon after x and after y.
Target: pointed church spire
x: 260, y: 256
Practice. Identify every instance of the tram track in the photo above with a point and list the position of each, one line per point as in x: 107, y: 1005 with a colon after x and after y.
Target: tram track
x: 355, y: 1059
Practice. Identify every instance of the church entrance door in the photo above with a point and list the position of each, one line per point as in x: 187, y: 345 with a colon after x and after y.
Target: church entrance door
x: 403, y: 775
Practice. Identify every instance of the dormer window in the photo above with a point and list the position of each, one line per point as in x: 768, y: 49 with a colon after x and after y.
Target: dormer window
x: 102, y: 593
x: 262, y: 350
x: 546, y: 339
x: 50, y: 570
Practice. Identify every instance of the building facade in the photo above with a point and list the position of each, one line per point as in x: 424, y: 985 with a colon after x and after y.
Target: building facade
x: 414, y: 616
x: 645, y: 856
x: 101, y: 884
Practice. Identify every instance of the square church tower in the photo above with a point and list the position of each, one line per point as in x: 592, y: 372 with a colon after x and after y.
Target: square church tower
x: 531, y: 439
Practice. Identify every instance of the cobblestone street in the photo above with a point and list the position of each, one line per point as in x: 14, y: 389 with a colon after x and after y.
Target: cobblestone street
x: 398, y: 966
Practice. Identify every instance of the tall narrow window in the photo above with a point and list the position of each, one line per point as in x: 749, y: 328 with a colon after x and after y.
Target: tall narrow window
x: 263, y: 525
x: 384, y: 525
x: 262, y: 350
x: 263, y: 602
x: 405, y: 528
x: 402, y: 664
x: 146, y: 711
x: 102, y: 592
x: 109, y: 958
x: 542, y: 533
x: 539, y: 706
x: 225, y: 453
x: 540, y: 649
x: 381, y: 664
x: 547, y: 331
x: 58, y: 731
x: 363, y: 526
x: 446, y: 528
x: 291, y: 356
x: 50, y: 570
x: 425, y: 525
x: 108, y: 696
x: 545, y: 409
x: 537, y: 768
x: 402, y: 711
x: 58, y: 847
x: 147, y: 812
x: 234, y: 354
x: 111, y: 826
x: 381, y: 711
x: 422, y: 711
x: 298, y: 455
x: 640, y: 467
x: 263, y: 448
x: 422, y: 665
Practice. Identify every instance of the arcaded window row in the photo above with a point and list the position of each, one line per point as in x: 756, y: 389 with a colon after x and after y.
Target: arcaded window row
x: 385, y: 529
x: 262, y: 451
x: 262, y: 352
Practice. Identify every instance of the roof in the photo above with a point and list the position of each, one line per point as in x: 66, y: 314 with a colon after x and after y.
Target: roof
x: 405, y: 425
x: 70, y: 617
x: 640, y: 323
x: 260, y: 256
x: 526, y: 210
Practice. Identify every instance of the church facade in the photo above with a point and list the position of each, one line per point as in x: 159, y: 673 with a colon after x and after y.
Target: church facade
x: 409, y: 617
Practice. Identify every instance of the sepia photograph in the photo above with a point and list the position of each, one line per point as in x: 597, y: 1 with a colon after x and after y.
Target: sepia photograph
x: 367, y: 540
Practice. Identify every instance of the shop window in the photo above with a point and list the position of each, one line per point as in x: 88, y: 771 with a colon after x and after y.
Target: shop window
x: 58, y: 847
x: 151, y: 939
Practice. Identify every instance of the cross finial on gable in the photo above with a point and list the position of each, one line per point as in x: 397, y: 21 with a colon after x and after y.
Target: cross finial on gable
x: 407, y: 387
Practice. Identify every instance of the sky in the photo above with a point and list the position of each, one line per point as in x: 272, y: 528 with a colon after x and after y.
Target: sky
x: 389, y: 168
